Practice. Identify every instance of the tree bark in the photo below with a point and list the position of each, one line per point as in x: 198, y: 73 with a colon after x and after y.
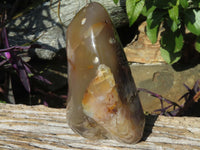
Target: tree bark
x: 40, y: 127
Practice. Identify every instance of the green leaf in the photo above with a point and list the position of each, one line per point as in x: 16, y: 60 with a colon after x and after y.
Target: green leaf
x: 154, y: 20
x: 134, y: 8
x: 178, y: 41
x: 152, y: 33
x: 115, y: 1
x: 173, y: 13
x: 165, y: 4
x: 184, y: 3
x: 148, y: 8
x: 162, y: 4
x: 173, y: 25
x: 196, y: 3
x: 172, y: 2
x: 192, y: 21
x: 169, y: 57
x: 197, y: 44
x: 171, y: 45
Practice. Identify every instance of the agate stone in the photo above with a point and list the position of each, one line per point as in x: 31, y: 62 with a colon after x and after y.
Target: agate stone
x: 102, y: 97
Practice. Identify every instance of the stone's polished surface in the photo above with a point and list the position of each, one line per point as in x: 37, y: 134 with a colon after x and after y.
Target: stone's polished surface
x: 102, y: 103
x: 102, y: 97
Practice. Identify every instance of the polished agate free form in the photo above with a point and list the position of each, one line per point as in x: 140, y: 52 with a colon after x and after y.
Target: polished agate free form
x: 102, y: 97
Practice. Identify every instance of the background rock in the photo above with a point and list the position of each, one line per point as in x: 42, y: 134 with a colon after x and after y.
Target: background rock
x: 165, y: 80
x: 141, y: 49
x: 47, y: 24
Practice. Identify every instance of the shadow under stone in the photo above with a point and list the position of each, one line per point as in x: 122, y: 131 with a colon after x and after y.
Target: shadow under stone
x: 149, y: 123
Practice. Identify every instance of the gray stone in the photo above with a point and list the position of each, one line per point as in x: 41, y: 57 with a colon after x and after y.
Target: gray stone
x: 43, y: 24
x: 45, y: 54
x: 164, y: 80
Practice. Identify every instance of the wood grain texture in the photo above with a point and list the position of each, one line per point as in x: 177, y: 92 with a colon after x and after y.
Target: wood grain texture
x: 40, y: 127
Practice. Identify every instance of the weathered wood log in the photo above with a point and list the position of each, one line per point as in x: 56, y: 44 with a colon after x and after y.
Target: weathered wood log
x: 40, y: 127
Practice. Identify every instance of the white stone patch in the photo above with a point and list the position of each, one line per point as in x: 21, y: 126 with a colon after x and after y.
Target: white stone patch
x: 96, y: 60
x: 101, y: 98
x: 112, y: 40
x: 83, y: 21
